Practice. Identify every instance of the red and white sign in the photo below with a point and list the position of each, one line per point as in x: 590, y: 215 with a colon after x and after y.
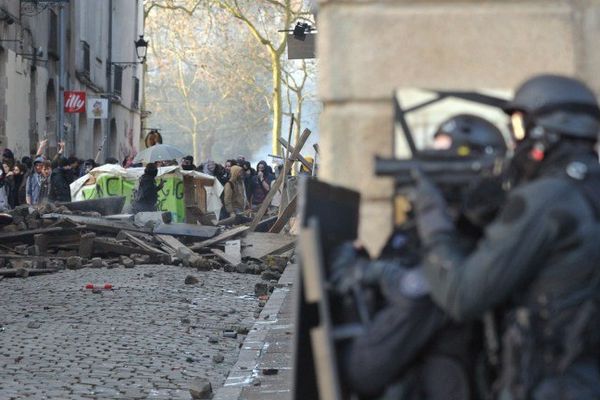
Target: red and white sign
x: 74, y: 102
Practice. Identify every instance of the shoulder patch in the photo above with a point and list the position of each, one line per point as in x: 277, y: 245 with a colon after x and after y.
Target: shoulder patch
x: 515, y: 207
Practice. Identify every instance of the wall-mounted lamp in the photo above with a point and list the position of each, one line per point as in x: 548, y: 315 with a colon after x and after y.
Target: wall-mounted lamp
x: 141, y: 48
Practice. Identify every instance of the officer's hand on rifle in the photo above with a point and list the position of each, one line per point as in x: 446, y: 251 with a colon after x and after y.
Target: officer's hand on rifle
x: 431, y: 209
x: 349, y: 270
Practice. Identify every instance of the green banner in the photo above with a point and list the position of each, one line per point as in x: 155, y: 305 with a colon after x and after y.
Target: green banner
x: 170, y: 198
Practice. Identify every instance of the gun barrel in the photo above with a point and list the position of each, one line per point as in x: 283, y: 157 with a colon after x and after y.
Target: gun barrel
x: 394, y: 167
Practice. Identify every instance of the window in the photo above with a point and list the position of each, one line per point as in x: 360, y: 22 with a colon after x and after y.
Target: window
x: 136, y: 93
x: 86, y: 57
x: 53, y: 36
x: 118, y: 80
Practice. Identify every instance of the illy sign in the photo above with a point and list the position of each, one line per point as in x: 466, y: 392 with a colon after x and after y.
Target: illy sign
x: 74, y: 102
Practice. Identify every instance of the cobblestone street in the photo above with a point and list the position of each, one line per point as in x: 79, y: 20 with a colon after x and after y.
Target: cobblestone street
x: 146, y: 339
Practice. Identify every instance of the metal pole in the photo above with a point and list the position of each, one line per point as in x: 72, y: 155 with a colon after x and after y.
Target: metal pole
x: 61, y: 73
x: 109, y: 85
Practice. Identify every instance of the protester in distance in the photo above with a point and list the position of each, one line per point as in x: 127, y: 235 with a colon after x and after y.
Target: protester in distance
x: 304, y: 170
x: 60, y: 181
x: 88, y: 165
x: 4, y: 191
x: 34, y: 182
x: 234, y: 193
x: 45, y: 182
x: 187, y: 163
x: 249, y: 173
x: 260, y: 184
x: 146, y: 195
x: 20, y: 180
x: 112, y: 161
x: 538, y: 260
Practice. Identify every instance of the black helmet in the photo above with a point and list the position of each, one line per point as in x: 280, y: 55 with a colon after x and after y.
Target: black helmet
x: 472, y: 135
x: 558, y: 104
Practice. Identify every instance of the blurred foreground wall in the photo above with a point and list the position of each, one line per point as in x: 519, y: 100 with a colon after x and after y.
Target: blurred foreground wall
x: 366, y: 48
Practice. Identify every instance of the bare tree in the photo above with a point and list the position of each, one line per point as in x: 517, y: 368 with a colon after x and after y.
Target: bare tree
x: 254, y: 14
x: 205, y: 80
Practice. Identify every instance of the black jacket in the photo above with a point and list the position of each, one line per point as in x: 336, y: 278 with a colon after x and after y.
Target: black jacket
x: 540, y: 259
x: 59, y: 185
x: 146, y: 195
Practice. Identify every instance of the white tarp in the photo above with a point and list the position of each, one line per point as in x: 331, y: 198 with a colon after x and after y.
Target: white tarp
x: 213, y: 193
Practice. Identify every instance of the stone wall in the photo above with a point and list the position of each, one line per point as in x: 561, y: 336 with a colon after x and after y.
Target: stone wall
x: 367, y: 48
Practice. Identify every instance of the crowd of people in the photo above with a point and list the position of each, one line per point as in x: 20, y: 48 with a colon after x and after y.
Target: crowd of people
x: 36, y: 180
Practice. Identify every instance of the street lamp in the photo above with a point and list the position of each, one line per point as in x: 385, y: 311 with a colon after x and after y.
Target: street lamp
x: 141, y: 48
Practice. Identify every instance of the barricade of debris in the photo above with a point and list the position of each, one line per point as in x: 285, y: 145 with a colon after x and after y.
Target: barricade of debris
x: 49, y: 238
x: 93, y: 234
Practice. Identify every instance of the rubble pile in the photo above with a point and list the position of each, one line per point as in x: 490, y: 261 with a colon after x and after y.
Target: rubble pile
x: 50, y: 238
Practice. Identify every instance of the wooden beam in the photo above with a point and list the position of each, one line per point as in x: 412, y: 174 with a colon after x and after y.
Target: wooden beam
x: 171, y: 243
x: 140, y: 243
x: 221, y: 254
x: 28, y: 234
x: 275, y: 187
x: 290, y: 148
x: 223, y: 236
x: 287, y: 213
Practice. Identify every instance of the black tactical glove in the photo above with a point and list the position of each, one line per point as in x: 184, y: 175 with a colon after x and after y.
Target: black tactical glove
x: 430, y: 209
x: 348, y: 270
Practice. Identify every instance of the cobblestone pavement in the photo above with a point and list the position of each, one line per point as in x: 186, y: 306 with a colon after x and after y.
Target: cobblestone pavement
x: 264, y: 367
x: 146, y: 339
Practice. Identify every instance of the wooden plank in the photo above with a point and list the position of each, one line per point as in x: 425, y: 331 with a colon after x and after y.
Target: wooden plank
x: 275, y: 187
x: 28, y: 234
x: 287, y: 213
x: 98, y: 224
x: 299, y: 157
x: 192, y: 230
x: 221, y: 254
x: 103, y: 246
x: 257, y: 244
x: 171, y: 243
x: 219, y: 238
x: 141, y: 243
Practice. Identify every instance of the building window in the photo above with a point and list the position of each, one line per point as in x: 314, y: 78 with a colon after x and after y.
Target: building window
x: 86, y: 57
x: 118, y: 82
x: 136, y: 93
x: 53, y: 36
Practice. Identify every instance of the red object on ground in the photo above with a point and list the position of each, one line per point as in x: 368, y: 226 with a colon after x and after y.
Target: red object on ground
x: 106, y: 286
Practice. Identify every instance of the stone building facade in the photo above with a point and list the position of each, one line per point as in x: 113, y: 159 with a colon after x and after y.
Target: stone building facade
x: 96, y: 35
x: 368, y: 48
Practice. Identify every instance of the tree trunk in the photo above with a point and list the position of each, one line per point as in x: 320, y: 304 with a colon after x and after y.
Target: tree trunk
x: 277, y: 102
x: 195, y: 144
x: 206, y: 150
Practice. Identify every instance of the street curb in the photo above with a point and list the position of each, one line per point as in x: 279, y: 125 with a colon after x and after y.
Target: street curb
x: 245, y: 369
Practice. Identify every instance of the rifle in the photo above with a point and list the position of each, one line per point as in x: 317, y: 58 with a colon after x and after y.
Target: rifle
x: 443, y: 169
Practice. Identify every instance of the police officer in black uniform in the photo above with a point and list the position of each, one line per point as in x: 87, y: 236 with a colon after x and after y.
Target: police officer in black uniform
x: 412, y: 350
x: 540, y: 258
